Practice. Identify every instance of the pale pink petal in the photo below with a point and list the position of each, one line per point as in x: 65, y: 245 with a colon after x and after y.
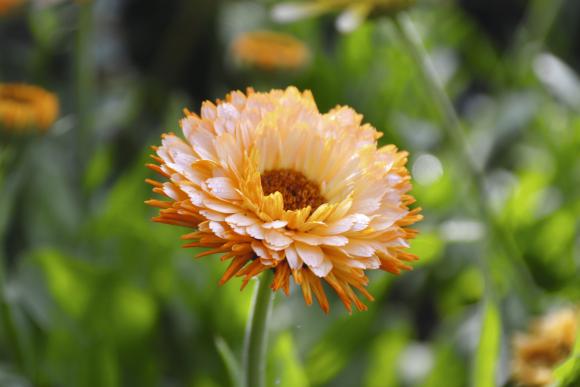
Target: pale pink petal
x: 255, y: 231
x: 293, y: 259
x: 212, y: 215
x: 223, y: 188
x: 323, y: 269
x: 220, y: 207
x: 275, y: 224
x: 359, y: 248
x: 241, y: 220
x: 316, y: 240
x: 311, y: 255
x: 276, y: 240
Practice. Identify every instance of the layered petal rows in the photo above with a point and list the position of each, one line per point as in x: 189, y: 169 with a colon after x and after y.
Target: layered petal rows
x: 215, y: 180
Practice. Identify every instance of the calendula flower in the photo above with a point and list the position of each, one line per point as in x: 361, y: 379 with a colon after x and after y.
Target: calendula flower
x: 268, y: 50
x: 549, y: 342
x: 26, y: 107
x: 272, y: 184
x: 352, y: 12
x: 8, y: 5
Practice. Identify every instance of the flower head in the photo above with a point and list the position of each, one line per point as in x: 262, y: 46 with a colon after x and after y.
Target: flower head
x: 549, y: 342
x: 272, y: 184
x: 268, y: 50
x: 26, y: 107
x: 353, y: 12
x: 8, y: 5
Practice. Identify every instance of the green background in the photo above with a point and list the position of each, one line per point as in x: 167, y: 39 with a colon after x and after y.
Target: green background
x: 94, y: 294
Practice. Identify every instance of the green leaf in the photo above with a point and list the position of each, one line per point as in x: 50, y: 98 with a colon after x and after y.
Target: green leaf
x: 330, y: 354
x: 428, y: 247
x: 135, y: 312
x: 448, y: 370
x: 230, y: 362
x: 385, y: 351
x: 286, y: 370
x: 68, y: 280
x: 98, y: 169
x: 484, y: 374
x: 568, y: 373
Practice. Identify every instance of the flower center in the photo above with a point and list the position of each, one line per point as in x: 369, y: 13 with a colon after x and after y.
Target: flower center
x: 298, y: 192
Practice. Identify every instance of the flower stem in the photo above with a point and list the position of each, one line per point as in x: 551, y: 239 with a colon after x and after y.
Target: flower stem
x: 455, y: 131
x: 10, y: 185
x: 84, y: 82
x: 257, y: 333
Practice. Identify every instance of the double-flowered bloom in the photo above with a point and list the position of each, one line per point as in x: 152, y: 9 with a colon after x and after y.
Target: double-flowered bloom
x: 272, y: 184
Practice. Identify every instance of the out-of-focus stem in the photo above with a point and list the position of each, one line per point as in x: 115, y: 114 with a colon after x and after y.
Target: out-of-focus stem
x: 539, y: 19
x: 11, y: 177
x: 84, y: 80
x: 531, y: 34
x: 257, y: 333
x: 455, y: 131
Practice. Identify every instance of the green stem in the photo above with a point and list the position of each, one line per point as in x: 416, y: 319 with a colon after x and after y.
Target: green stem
x: 531, y: 35
x: 84, y: 81
x: 257, y: 333
x: 540, y: 18
x: 10, y: 185
x: 7, y: 317
x: 456, y: 133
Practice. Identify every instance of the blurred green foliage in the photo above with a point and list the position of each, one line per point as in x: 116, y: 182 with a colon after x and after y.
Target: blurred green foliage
x: 94, y: 294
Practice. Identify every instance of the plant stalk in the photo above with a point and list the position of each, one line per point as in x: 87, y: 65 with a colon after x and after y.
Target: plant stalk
x: 10, y: 184
x: 255, y: 341
x: 84, y: 83
x: 456, y: 133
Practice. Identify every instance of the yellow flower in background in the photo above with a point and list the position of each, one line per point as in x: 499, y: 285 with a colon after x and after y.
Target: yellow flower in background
x: 268, y: 50
x: 25, y: 108
x: 550, y: 341
x: 272, y: 184
x: 352, y: 12
x: 8, y: 5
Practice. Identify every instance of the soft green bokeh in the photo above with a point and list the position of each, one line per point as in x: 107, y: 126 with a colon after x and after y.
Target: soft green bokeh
x: 95, y: 294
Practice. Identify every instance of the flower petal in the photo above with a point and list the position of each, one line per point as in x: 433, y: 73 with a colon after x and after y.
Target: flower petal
x: 323, y: 269
x: 311, y: 255
x: 293, y: 259
x: 276, y: 240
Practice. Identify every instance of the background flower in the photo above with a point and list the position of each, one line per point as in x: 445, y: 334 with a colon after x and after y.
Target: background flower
x: 26, y: 108
x: 269, y: 50
x: 549, y: 342
x: 8, y: 5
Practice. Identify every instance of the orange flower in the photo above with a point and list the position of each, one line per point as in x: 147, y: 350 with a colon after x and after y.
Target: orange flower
x: 26, y: 107
x: 272, y: 184
x: 550, y: 341
x: 8, y: 5
x: 268, y: 50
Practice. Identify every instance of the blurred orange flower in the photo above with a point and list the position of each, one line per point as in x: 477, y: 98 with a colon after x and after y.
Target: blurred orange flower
x: 8, y: 5
x: 549, y: 342
x: 268, y: 50
x: 26, y: 107
x: 273, y: 184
